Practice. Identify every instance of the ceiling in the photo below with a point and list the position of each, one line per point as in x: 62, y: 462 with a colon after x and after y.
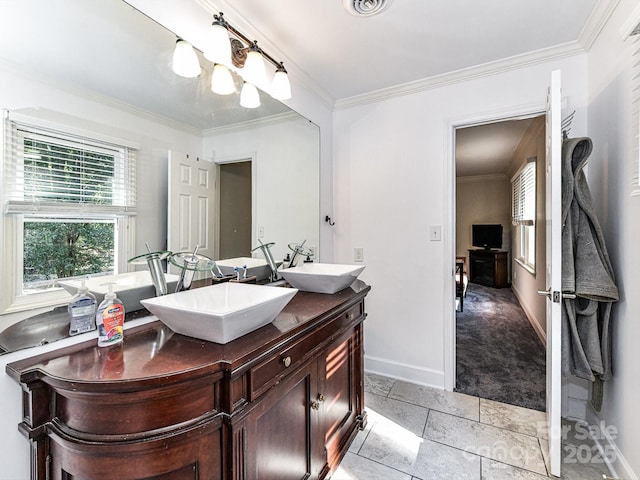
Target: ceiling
x: 343, y: 57
x: 327, y: 50
x: 488, y: 149
x: 409, y: 40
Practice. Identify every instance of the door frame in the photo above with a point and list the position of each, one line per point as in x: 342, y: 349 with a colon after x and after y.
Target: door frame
x: 246, y: 157
x: 452, y: 125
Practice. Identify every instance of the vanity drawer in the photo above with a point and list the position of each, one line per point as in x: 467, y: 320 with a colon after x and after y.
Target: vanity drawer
x: 265, y: 375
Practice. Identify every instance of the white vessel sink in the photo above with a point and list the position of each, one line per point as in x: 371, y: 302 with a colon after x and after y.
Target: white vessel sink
x: 255, y: 266
x: 220, y: 313
x: 130, y: 287
x: 321, y: 277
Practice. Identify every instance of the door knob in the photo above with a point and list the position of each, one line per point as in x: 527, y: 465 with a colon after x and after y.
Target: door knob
x: 555, y: 296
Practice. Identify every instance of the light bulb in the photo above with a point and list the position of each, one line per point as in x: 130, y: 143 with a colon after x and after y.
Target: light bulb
x: 218, y: 47
x: 249, y: 96
x: 280, y: 86
x: 221, y: 80
x: 254, y: 70
x: 185, y: 61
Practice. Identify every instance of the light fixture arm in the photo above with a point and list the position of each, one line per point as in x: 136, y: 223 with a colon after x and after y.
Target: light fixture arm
x: 251, y: 43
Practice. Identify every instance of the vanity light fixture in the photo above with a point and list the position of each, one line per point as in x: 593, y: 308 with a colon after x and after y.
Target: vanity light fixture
x: 229, y: 49
x: 218, y: 47
x: 221, y: 80
x: 249, y: 96
x: 280, y: 86
x: 254, y: 70
x: 185, y: 61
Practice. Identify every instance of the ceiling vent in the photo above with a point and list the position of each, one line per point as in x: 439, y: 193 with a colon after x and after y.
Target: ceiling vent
x: 365, y: 8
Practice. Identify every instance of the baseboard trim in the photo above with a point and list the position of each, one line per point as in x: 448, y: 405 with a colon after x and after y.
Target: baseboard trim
x: 405, y: 372
x: 530, y: 316
x: 619, y: 467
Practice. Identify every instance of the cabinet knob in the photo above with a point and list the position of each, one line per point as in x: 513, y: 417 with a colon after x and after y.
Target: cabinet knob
x: 286, y: 361
x: 315, y: 405
x: 321, y: 397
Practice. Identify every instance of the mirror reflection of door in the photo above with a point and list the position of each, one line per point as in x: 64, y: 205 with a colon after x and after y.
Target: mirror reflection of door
x: 234, y: 180
x: 191, y: 190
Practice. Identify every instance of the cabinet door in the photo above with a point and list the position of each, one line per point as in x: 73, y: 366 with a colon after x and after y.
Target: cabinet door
x: 340, y: 390
x: 278, y: 432
x: 190, y: 455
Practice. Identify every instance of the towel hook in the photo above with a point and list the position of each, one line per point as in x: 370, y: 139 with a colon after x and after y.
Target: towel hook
x: 328, y: 220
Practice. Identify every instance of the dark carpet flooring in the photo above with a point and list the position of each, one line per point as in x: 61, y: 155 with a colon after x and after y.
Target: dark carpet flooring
x: 499, y: 355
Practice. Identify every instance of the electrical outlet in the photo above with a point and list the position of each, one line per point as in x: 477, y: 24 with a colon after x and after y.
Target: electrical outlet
x: 358, y: 254
x: 261, y: 231
x: 314, y: 252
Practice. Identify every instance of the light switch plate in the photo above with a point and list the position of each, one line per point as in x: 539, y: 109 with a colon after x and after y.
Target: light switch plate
x: 435, y: 233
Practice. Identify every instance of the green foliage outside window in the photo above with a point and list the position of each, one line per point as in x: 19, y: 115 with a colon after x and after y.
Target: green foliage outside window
x: 66, y: 249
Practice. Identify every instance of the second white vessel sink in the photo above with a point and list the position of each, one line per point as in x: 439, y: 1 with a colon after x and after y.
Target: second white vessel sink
x: 321, y: 277
x: 220, y: 313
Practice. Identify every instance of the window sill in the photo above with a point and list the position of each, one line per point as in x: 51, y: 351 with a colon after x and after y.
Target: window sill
x: 529, y: 268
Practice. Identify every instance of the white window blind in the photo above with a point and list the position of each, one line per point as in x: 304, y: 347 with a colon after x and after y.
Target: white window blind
x: 523, y: 191
x: 48, y: 172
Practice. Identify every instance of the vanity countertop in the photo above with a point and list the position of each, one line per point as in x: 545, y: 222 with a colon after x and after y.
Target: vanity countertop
x: 152, y: 351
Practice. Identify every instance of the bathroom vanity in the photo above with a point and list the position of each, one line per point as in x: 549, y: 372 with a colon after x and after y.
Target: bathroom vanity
x: 283, y: 402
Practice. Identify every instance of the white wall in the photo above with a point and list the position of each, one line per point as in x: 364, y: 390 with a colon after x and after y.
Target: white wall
x: 393, y: 180
x: 525, y: 283
x: 286, y: 154
x: 609, y: 174
x: 482, y: 199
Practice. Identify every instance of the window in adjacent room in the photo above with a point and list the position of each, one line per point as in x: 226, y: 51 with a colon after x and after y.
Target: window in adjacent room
x: 523, y: 194
x: 68, y: 202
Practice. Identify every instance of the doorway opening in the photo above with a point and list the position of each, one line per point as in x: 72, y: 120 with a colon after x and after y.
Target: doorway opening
x: 235, y: 205
x: 500, y: 341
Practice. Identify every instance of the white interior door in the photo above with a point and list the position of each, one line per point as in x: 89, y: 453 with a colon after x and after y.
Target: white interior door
x: 553, y: 270
x: 191, y: 193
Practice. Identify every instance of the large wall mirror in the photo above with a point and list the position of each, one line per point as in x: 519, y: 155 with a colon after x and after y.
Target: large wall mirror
x: 103, y: 68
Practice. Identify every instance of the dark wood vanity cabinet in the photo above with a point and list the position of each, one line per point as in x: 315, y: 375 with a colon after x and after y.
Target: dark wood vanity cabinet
x: 283, y: 402
x: 193, y: 453
x: 308, y: 421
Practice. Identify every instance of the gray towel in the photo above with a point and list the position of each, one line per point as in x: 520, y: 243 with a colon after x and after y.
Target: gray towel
x: 586, y: 271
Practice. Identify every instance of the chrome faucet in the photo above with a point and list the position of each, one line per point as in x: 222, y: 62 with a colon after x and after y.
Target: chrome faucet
x: 298, y: 250
x: 269, y: 258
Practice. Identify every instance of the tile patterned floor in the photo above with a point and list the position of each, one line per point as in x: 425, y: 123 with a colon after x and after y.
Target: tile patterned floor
x: 420, y: 433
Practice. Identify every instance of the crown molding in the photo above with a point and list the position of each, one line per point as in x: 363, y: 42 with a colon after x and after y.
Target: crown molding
x: 598, y: 18
x: 631, y: 24
x: 491, y: 68
x: 258, y: 122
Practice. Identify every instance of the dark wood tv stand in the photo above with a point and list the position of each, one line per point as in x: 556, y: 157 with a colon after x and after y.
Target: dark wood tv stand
x: 488, y: 267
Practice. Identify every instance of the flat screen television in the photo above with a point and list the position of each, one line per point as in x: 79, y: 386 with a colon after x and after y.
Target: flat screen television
x: 486, y: 236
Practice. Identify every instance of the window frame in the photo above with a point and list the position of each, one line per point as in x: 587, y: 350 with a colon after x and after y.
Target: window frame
x: 12, y: 297
x: 523, y: 218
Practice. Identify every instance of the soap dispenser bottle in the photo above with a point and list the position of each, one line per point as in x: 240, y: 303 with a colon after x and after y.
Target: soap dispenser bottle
x: 82, y: 311
x: 110, y: 320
